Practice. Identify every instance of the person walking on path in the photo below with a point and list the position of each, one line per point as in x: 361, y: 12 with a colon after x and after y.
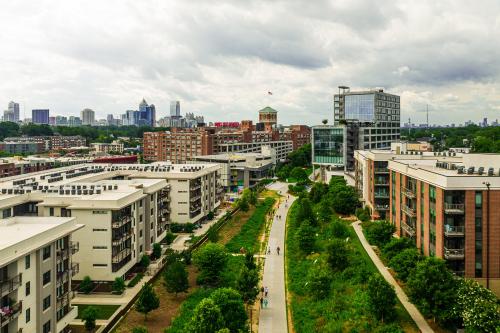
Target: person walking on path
x: 261, y: 302
x: 262, y: 292
x: 266, y: 291
x: 278, y: 250
x: 266, y: 302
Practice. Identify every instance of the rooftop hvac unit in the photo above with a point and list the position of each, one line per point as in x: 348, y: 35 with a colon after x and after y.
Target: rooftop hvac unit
x: 470, y: 170
x: 116, y: 187
x: 98, y: 191
x: 91, y: 192
x: 490, y: 172
x: 4, y: 191
x: 79, y: 192
x: 68, y: 192
x: 480, y: 171
x: 73, y: 192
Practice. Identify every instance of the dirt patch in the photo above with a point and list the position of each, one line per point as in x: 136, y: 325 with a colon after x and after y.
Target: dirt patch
x: 80, y: 329
x: 162, y: 317
x: 233, y: 227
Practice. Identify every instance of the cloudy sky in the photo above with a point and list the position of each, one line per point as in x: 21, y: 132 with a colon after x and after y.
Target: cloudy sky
x: 219, y: 58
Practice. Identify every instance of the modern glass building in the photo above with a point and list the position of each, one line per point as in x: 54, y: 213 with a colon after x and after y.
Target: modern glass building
x: 40, y: 116
x: 328, y: 145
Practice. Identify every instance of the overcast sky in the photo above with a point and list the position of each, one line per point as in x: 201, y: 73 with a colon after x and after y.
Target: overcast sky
x: 220, y: 58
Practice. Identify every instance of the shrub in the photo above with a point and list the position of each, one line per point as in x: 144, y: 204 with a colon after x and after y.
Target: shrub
x: 299, y: 174
x: 210, y: 215
x: 306, y: 236
x: 145, y: 261
x: 391, y: 328
x: 339, y: 229
x: 363, y: 214
x: 138, y: 277
x: 382, y: 297
x: 169, y: 238
x: 182, y: 227
x: 337, y: 254
x: 118, y: 285
x: 405, y: 262
x: 319, y: 283
x: 89, y: 317
x: 380, y: 233
x: 139, y: 329
x: 396, y: 245
x: 87, y: 285
x: 156, y: 251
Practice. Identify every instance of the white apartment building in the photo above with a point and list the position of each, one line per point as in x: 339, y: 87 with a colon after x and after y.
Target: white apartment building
x: 125, y: 207
x: 36, y: 267
x: 106, y: 148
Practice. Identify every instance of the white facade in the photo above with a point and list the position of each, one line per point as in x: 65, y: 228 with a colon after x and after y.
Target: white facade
x: 106, y: 148
x: 87, y: 116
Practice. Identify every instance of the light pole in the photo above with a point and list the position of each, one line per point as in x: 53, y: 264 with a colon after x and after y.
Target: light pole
x: 487, y: 234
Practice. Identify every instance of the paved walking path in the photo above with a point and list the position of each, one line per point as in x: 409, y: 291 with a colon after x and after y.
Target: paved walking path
x: 273, y: 318
x: 412, y: 310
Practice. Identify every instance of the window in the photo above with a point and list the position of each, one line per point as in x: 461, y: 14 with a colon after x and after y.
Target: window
x: 46, y: 277
x: 46, y: 253
x: 99, y: 247
x: 51, y: 211
x: 100, y: 265
x: 46, y: 304
x: 6, y: 213
x: 478, y: 228
x: 27, y: 262
x: 99, y: 212
x: 46, y: 327
x: 99, y: 229
x: 27, y: 288
x: 28, y: 315
x: 140, y: 233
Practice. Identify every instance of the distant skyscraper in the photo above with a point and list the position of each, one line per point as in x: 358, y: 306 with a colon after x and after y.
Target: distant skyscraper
x: 74, y: 121
x: 175, y: 109
x: 147, y: 114
x: 52, y: 121
x: 87, y: 116
x: 14, y: 108
x: 40, y: 116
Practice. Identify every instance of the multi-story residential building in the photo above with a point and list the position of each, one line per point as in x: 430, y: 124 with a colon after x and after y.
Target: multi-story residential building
x: 115, y: 146
x: 55, y: 142
x: 125, y: 207
x: 36, y: 267
x: 40, y: 116
x: 371, y: 120
x: 88, y: 117
x: 299, y: 135
x: 23, y: 148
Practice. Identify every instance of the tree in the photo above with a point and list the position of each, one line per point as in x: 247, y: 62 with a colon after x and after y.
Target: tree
x: 89, y: 317
x: 306, y: 236
x: 405, y: 262
x: 230, y: 304
x: 382, y: 297
x: 145, y: 261
x: 87, y: 285
x: 477, y: 307
x: 396, y: 245
x: 210, y: 260
x: 345, y: 200
x: 213, y: 234
x: 319, y: 283
x: 210, y: 215
x: 207, y: 318
x: 305, y: 211
x: 250, y: 261
x: 139, y: 329
x: 380, y: 233
x: 118, y: 285
x: 176, y: 278
x: 431, y: 286
x: 243, y: 204
x: 148, y: 300
x: 247, y: 284
x: 318, y: 190
x: 156, y: 251
x: 337, y: 254
x: 339, y: 229
x: 299, y: 174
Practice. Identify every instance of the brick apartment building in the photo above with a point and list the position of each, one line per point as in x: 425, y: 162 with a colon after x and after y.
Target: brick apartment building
x: 180, y: 145
x: 446, y: 202
x: 47, y: 143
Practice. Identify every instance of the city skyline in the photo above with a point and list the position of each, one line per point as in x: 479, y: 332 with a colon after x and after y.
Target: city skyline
x: 220, y: 59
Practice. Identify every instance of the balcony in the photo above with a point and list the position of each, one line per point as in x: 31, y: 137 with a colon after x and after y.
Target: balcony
x: 409, y: 211
x: 381, y: 170
x: 409, y: 193
x: 120, y: 256
x: 122, y: 220
x: 75, y: 268
x: 454, y: 208
x: 408, y: 229
x: 454, y: 254
x: 381, y: 195
x: 195, y: 187
x: 381, y: 207
x: 9, y: 285
x: 454, y: 231
x: 75, y: 247
x: 381, y: 182
x: 9, y: 313
x: 195, y: 198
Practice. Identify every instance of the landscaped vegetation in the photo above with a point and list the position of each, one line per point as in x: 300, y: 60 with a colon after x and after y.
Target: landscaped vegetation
x: 334, y: 285
x: 103, y: 311
x: 445, y: 299
x: 296, y: 168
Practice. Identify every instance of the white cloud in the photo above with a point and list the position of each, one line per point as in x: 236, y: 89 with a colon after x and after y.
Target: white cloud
x: 221, y: 57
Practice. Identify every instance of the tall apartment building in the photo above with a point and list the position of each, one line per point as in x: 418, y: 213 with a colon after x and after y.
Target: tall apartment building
x: 175, y: 109
x: 40, y: 116
x: 55, y: 142
x: 371, y: 120
x: 445, y: 202
x: 125, y: 207
x: 88, y: 117
x: 14, y: 109
x: 36, y: 267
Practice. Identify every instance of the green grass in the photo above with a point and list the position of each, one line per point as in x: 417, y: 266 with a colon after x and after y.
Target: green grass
x: 346, y: 309
x: 103, y: 311
x: 249, y: 233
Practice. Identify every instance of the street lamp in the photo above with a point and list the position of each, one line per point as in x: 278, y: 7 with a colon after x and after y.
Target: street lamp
x: 487, y: 234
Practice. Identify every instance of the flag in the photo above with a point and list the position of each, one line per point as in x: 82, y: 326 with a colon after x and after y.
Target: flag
x: 269, y: 93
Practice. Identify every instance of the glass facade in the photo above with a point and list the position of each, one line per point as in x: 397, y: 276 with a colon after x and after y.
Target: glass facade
x: 360, y: 107
x: 328, y: 145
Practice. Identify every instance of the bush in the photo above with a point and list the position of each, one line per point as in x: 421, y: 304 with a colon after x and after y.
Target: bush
x: 145, y: 261
x: 339, y: 229
x: 210, y: 216
x: 396, y: 245
x: 182, y: 227
x: 379, y: 233
x: 382, y: 297
x: 139, y: 329
x: 392, y: 328
x: 156, y: 251
x: 87, y: 285
x: 299, y: 174
x: 363, y: 214
x: 337, y: 254
x: 169, y: 238
x: 319, y: 283
x: 118, y: 285
x: 138, y: 277
x: 89, y: 317
x: 405, y: 262
x: 306, y: 236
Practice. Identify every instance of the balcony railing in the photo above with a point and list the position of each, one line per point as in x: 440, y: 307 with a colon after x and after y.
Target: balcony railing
x: 409, y: 211
x: 454, y: 231
x: 9, y: 285
x: 121, y: 255
x: 121, y: 220
x: 409, y: 193
x: 75, y: 268
x: 9, y: 313
x: 454, y: 254
x: 381, y: 195
x: 75, y: 247
x: 454, y: 208
x: 381, y: 207
x: 381, y: 170
x: 193, y: 199
x: 408, y: 229
x: 382, y: 182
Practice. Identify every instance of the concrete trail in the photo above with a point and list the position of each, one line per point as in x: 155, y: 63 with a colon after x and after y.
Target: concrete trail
x: 412, y: 310
x: 273, y: 319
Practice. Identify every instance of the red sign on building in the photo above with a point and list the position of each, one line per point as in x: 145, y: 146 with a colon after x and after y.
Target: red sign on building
x: 233, y: 124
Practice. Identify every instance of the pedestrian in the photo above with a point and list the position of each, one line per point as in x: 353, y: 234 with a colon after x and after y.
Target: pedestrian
x: 266, y: 302
x: 261, y: 302
x: 268, y: 250
x: 278, y: 250
x: 266, y: 291
x: 262, y: 291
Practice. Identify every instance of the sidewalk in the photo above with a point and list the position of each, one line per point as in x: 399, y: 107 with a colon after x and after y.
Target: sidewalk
x: 273, y: 318
x: 412, y: 310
